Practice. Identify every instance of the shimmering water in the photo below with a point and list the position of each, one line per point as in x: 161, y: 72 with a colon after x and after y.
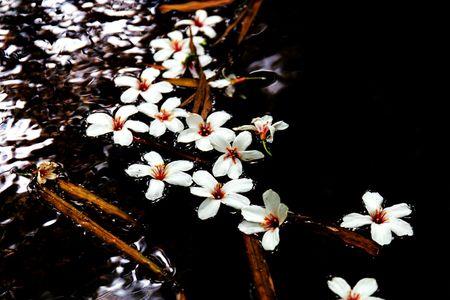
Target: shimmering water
x: 352, y: 129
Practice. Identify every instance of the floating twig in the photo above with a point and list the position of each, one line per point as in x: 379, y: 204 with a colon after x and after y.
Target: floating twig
x: 185, y: 82
x: 193, y: 5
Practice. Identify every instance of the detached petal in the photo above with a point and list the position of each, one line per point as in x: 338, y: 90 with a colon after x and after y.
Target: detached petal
x: 381, y: 233
x: 366, y: 287
x: 155, y: 190
x: 355, y: 220
x: 179, y: 178
x: 208, y: 208
x: 238, y: 186
x: 123, y: 137
x: 254, y: 213
x: 243, y: 140
x: 153, y: 158
x: 138, y: 170
x: 204, y: 179
x: 271, y: 239
x: 372, y: 201
x: 340, y: 287
x: 250, y: 227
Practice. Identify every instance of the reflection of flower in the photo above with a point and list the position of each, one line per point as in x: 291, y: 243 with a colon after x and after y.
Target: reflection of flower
x: 201, y: 131
x: 201, y: 23
x: 264, y: 128
x: 172, y: 173
x: 229, y: 163
x: 144, y: 86
x: 166, y: 117
x: 268, y: 219
x: 102, y: 123
x: 217, y: 193
x: 174, y: 44
x: 383, y: 221
x: 46, y: 171
x: 363, y: 290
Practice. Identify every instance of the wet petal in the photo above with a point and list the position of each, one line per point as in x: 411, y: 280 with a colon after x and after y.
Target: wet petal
x: 282, y: 212
x: 219, y: 143
x: 194, y: 120
x: 153, y: 158
x: 280, y: 125
x: 271, y: 239
x: 209, y: 31
x: 201, y: 192
x: 157, y: 128
x: 381, y: 233
x: 218, y: 118
x: 372, y: 201
x: 238, y: 186
x: 130, y: 95
x: 184, y: 22
x: 221, y: 166
x: 398, y: 210
x: 245, y: 127
x: 204, y: 60
x: 179, y: 165
x: 179, y: 178
x: 254, y: 213
x: 208, y: 208
x: 221, y: 83
x: 204, y: 179
x: 212, y: 20
x: 175, y: 35
x: 160, y: 44
x: 251, y: 155
x: 366, y: 287
x: 171, y: 103
x: 400, y: 227
x: 126, y: 81
x: 201, y: 15
x: 124, y: 112
x: 155, y: 190
x: 340, y: 287
x: 355, y: 220
x: 162, y: 87
x: 100, y: 119
x: 148, y: 109
x: 203, y: 143
x: 163, y: 54
x: 123, y: 137
x: 174, y: 125
x: 271, y: 201
x: 149, y: 74
x: 138, y: 170
x: 136, y: 126
x: 236, y: 201
x: 250, y: 227
x: 243, y: 140
x: 225, y: 133
x: 189, y: 135
x: 151, y: 96
x: 96, y: 130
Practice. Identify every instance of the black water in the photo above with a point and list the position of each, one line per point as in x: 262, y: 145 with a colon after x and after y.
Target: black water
x: 358, y: 119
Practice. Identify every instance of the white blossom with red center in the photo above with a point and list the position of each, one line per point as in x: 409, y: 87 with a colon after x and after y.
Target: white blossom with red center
x: 363, y: 290
x: 175, y: 43
x: 268, y: 219
x: 264, y: 127
x: 181, y: 61
x: 46, y: 171
x: 201, y: 23
x: 164, y: 118
x: 229, y: 163
x: 201, y: 131
x: 144, y: 86
x: 160, y: 172
x: 119, y: 125
x: 228, y: 83
x: 383, y: 221
x: 217, y: 193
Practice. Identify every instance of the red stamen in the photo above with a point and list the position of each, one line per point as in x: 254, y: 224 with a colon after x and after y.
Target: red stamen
x: 159, y: 172
x: 177, y: 46
x: 218, y: 193
x: 118, y: 124
x: 144, y: 85
x: 263, y: 132
x: 164, y: 115
x: 353, y: 296
x: 205, y: 129
x: 197, y: 22
x: 271, y: 222
x: 232, y: 152
x: 379, y: 216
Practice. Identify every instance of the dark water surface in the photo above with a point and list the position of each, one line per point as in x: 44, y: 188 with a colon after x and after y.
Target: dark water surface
x: 355, y: 125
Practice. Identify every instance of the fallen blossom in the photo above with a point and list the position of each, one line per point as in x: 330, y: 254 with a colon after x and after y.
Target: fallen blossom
x: 363, y: 290
x: 46, y: 171
x: 201, y: 23
x: 181, y: 61
x: 175, y: 43
x: 228, y: 83
x: 264, y: 128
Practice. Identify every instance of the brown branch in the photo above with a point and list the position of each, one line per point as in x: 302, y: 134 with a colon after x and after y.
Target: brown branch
x: 81, y: 193
x: 259, y: 268
x: 349, y: 237
x: 231, y: 26
x: 193, y: 5
x: 90, y: 225
x: 185, y: 82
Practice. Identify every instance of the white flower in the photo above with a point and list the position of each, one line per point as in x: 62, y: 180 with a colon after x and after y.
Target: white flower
x: 201, y: 131
x: 227, y: 83
x: 264, y: 128
x: 46, y: 171
x: 217, y: 193
x: 229, y: 163
x: 102, y: 123
x: 177, y: 66
x: 174, y: 44
x: 144, y: 86
x: 268, y: 219
x: 172, y: 173
x: 202, y: 23
x: 363, y: 290
x: 383, y: 221
x: 166, y: 117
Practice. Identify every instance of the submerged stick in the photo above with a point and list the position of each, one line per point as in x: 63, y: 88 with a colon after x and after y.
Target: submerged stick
x: 259, y: 268
x: 349, y: 237
x: 81, y: 193
x: 193, y: 5
x: 90, y: 225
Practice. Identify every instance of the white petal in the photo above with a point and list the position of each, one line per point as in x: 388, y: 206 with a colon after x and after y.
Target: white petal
x: 194, y: 121
x: 175, y: 35
x: 208, y: 208
x: 189, y: 135
x: 123, y: 137
x: 96, y: 130
x: 355, y: 220
x: 271, y: 239
x: 209, y: 31
x: 238, y: 186
x: 204, y: 61
x: 212, y: 20
x: 221, y: 83
x: 271, y: 201
x: 130, y: 95
x: 203, y: 143
x: 136, y: 126
x: 201, y: 15
x: 124, y: 112
x: 235, y: 170
x: 153, y: 158
x: 179, y: 165
x: 204, y: 179
x: 149, y: 74
x: 184, y: 22
x: 400, y: 227
x: 340, y: 287
x: 151, y: 95
x: 162, y: 87
x: 251, y: 155
x: 157, y: 128
x: 100, y: 119
x: 155, y: 190
x: 163, y: 54
x: 126, y: 81
x: 282, y: 212
x: 138, y: 170
x: 381, y: 233
x: 225, y: 133
x: 179, y: 112
x: 160, y: 44
x: 280, y: 125
x: 366, y: 287
x: 179, y: 178
x: 254, y: 213
x: 245, y: 127
x: 201, y: 192
x: 250, y: 227
x: 171, y: 103
x: 398, y: 210
x: 243, y: 140
x: 148, y: 109
x: 222, y: 166
x: 372, y: 201
x: 218, y: 118
x: 219, y: 143
x: 174, y: 125
x: 236, y: 201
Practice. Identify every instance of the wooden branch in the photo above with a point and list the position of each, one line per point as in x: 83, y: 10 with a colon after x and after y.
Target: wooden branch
x: 232, y: 25
x: 349, y: 237
x: 84, y: 221
x: 259, y: 268
x: 185, y: 82
x: 81, y: 193
x: 193, y: 5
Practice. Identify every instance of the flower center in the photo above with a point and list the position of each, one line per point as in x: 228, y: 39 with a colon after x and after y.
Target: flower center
x: 218, y: 193
x: 379, y: 216
x: 118, y: 124
x: 177, y: 46
x: 354, y: 296
x: 144, y: 85
x: 233, y: 153
x: 164, y: 115
x: 271, y: 222
x: 197, y: 22
x: 159, y: 172
x: 263, y: 131
x: 205, y: 129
